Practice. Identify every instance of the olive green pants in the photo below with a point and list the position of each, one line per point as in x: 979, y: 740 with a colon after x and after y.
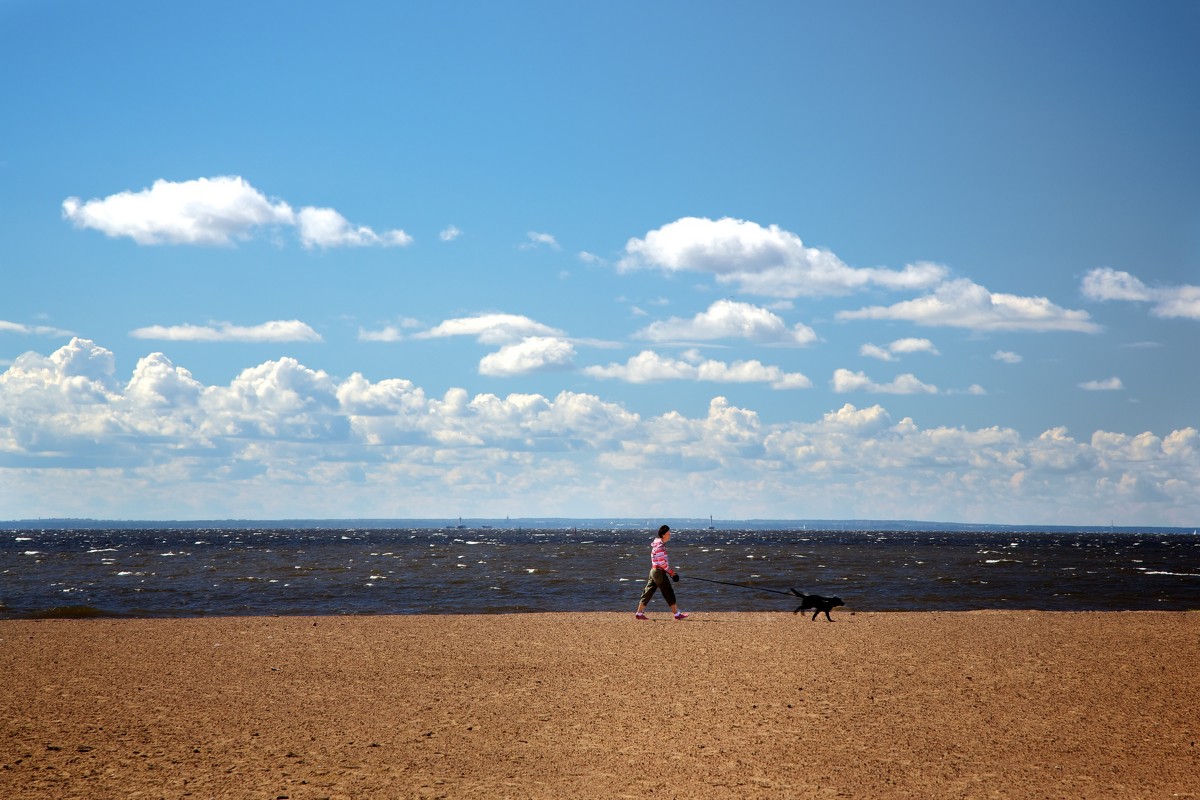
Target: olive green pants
x: 659, y: 579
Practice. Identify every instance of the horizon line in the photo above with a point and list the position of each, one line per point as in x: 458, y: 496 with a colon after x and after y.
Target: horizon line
x: 827, y: 524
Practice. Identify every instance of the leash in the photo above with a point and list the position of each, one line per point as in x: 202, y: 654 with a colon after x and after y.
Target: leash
x: 789, y: 592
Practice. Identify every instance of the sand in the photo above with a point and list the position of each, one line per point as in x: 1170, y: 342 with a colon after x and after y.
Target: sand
x: 875, y: 705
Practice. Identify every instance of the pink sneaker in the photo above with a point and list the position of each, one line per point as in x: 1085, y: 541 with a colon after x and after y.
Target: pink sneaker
x: 640, y: 616
x: 681, y: 615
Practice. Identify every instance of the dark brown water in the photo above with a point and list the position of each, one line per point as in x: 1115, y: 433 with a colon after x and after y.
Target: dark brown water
x: 177, y: 573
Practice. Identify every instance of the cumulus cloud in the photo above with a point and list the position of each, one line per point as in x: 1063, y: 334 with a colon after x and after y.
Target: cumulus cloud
x: 1167, y: 301
x: 761, y: 260
x: 450, y: 233
x: 889, y: 352
x: 215, y: 211
x: 846, y: 381
x: 536, y: 240
x: 1007, y: 357
x: 324, y: 227
x: 282, y: 439
x: 532, y: 354
x: 207, y: 211
x: 911, y: 345
x: 276, y: 401
x: 525, y: 345
x: 849, y: 419
x: 83, y: 358
x: 60, y: 404
x: 964, y: 304
x: 1111, y: 284
x: 648, y: 367
x: 728, y: 319
x: 290, y: 330
x: 388, y: 333
x: 31, y: 330
x: 491, y: 328
x: 875, y: 351
x: 1107, y: 385
x: 156, y: 382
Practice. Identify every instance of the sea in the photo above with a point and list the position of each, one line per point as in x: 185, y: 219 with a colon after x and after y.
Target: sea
x: 225, y: 571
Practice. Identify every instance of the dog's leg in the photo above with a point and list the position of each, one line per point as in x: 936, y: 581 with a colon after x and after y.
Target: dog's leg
x: 827, y: 615
x: 814, y: 616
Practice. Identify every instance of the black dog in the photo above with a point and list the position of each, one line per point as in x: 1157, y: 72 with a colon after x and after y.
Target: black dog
x: 825, y: 604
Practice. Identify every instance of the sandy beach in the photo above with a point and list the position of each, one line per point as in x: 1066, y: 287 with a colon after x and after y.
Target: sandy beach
x: 875, y: 705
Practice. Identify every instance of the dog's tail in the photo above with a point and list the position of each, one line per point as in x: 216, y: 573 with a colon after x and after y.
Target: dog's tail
x: 801, y: 596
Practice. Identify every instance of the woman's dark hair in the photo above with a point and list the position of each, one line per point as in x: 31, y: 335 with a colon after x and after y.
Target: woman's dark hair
x: 664, y: 529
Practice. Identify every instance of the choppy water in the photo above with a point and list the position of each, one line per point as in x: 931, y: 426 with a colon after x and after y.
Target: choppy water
x: 175, y: 573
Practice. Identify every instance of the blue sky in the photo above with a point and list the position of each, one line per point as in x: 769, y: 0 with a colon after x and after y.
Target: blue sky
x: 800, y: 260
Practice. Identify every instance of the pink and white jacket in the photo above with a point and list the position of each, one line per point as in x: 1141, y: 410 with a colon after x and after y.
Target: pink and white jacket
x: 658, y: 554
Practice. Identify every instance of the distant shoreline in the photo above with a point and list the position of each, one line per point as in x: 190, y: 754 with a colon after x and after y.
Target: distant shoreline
x: 564, y: 523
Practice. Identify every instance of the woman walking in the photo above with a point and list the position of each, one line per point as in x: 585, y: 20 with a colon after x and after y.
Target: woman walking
x: 661, y: 576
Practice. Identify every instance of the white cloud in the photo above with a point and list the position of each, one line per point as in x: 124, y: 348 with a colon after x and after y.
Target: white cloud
x: 393, y: 397
x: 899, y: 346
x: 728, y: 319
x: 765, y: 261
x: 1179, y: 302
x: 282, y: 440
x: 389, y: 333
x: 214, y: 211
x: 395, y: 413
x: 277, y: 400
x: 591, y: 258
x: 208, y: 211
x: 525, y: 345
x: 290, y: 330
x: 1181, y: 446
x: 875, y: 351
x: 156, y: 382
x: 645, y: 367
x: 324, y: 227
x: 1169, y: 301
x: 491, y: 328
x: 648, y: 367
x: 449, y: 233
x: 532, y: 354
x: 1111, y: 284
x: 846, y: 381
x: 861, y: 421
x: 1107, y: 385
x: 725, y: 436
x: 540, y: 240
x: 964, y: 304
x: 1007, y: 357
x: 31, y: 330
x: 911, y: 345
x: 59, y: 404
x: 81, y: 364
